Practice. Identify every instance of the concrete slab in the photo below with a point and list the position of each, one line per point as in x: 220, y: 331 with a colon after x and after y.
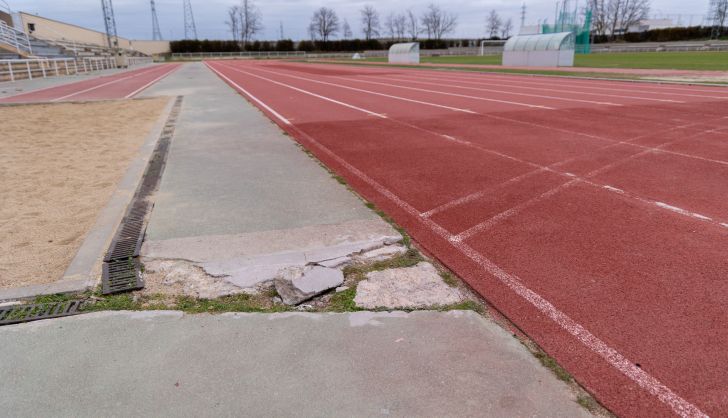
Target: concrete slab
x: 242, y: 200
x: 425, y: 364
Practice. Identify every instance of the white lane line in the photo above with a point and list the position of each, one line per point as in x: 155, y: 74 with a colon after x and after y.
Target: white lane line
x: 104, y: 84
x: 456, y: 109
x: 318, y: 96
x: 594, y: 86
x: 491, y: 222
x: 566, y: 99
x: 477, y: 195
x: 724, y: 224
x: 613, y: 189
x: 519, y: 85
x: 628, y: 368
x: 683, y: 211
x: 249, y: 95
x: 452, y: 94
x: 140, y: 89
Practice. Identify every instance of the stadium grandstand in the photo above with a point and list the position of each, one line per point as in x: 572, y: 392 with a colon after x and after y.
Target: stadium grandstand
x: 36, y: 46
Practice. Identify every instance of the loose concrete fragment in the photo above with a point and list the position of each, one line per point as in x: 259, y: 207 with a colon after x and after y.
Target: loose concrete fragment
x: 419, y: 286
x: 382, y: 253
x: 299, y: 284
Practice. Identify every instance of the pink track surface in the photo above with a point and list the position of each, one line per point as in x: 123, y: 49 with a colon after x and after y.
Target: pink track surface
x: 655, y: 72
x: 593, y: 214
x: 117, y: 86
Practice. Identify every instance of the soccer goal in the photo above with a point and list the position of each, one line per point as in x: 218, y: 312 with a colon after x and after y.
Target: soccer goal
x: 405, y: 53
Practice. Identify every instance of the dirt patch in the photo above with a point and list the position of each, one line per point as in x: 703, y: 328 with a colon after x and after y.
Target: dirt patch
x: 59, y: 166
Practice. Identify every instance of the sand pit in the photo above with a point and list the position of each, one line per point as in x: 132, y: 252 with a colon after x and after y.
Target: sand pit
x: 59, y: 166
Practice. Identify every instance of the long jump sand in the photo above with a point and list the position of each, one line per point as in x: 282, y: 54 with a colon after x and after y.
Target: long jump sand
x: 59, y: 166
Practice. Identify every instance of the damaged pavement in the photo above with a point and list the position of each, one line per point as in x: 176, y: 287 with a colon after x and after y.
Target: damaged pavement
x: 242, y: 210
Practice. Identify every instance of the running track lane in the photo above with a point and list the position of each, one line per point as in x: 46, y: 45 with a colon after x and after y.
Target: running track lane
x: 117, y: 86
x: 622, y: 285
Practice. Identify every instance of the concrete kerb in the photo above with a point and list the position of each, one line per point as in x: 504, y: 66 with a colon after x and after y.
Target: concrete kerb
x: 84, y: 271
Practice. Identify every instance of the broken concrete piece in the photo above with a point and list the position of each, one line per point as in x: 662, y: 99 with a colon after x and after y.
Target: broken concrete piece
x: 382, y: 253
x: 299, y: 284
x: 418, y: 286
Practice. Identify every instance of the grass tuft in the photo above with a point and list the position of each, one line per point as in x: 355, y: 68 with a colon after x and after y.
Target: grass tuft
x: 551, y: 364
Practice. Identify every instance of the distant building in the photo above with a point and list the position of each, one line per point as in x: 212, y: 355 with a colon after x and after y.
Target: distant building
x: 650, y: 24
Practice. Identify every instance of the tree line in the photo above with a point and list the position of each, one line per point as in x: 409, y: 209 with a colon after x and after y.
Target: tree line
x: 244, y: 21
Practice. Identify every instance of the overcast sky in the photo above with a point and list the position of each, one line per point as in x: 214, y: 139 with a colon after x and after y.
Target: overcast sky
x: 133, y: 17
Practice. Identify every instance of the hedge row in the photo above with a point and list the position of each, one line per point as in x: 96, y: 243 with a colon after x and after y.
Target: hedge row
x: 664, y: 35
x: 346, y: 45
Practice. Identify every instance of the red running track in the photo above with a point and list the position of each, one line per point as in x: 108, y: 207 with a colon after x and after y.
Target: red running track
x: 593, y: 214
x: 117, y: 86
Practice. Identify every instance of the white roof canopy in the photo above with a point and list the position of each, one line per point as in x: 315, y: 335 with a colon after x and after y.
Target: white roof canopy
x: 541, y: 42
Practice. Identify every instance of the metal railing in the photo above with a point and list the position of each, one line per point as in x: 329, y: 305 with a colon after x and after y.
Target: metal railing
x: 15, y: 38
x: 249, y: 54
x: 16, y: 69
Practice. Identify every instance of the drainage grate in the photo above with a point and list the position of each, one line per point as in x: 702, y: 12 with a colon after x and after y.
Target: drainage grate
x: 25, y: 313
x: 121, y: 276
x: 122, y: 270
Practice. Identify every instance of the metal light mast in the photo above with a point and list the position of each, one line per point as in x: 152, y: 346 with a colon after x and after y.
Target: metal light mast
x: 112, y: 38
x: 156, y: 33
x: 523, y: 15
x: 190, y: 29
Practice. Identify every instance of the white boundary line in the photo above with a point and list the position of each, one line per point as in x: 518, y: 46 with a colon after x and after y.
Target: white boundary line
x: 456, y: 109
x: 328, y: 99
x: 566, y: 99
x: 140, y: 89
x: 679, y: 405
x: 520, y: 85
x: 57, y: 99
x: 248, y: 94
x: 601, y: 86
x: 461, y: 95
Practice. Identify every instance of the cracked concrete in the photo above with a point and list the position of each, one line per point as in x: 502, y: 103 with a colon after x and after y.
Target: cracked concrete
x: 241, y: 201
x: 419, y: 286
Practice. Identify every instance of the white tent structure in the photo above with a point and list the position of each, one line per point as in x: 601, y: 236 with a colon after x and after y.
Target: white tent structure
x: 406, y: 53
x: 542, y: 50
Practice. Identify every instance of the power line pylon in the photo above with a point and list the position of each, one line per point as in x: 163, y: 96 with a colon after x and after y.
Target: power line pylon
x: 156, y: 33
x: 190, y: 29
x: 112, y: 38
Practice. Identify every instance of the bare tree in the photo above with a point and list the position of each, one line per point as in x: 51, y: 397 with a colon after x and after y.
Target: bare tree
x: 324, y: 24
x: 369, y: 22
x: 622, y: 14
x: 506, y: 29
x: 437, y: 22
x: 389, y: 26
x: 346, y: 30
x: 233, y: 22
x: 250, y: 21
x: 400, y: 26
x: 493, y: 24
x: 600, y: 20
x: 413, y: 25
x: 719, y: 15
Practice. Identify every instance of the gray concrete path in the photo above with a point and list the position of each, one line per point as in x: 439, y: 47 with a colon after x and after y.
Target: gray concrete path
x: 11, y: 88
x: 242, y: 200
x: 423, y: 364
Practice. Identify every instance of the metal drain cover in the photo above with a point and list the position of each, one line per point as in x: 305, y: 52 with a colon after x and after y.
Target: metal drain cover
x: 16, y: 314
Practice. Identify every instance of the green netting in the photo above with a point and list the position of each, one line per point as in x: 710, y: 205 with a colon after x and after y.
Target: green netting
x: 582, y: 32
